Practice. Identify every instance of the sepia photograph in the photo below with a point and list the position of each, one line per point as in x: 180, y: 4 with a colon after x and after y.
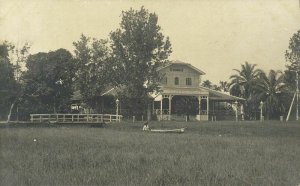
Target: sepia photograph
x: 149, y: 92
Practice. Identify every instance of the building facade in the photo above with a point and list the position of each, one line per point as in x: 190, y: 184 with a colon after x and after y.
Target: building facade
x: 183, y: 97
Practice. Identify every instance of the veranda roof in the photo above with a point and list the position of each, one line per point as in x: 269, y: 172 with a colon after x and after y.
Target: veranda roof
x: 196, y: 91
x: 221, y: 96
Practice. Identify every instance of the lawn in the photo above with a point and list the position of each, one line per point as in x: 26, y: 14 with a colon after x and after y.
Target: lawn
x: 219, y: 153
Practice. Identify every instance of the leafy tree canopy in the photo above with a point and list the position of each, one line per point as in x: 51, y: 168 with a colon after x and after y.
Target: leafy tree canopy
x: 94, y: 71
x: 8, y: 83
x: 48, y: 81
x: 139, y: 48
x: 207, y: 84
x: 292, y: 55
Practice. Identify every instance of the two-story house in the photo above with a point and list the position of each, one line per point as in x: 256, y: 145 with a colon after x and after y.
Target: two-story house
x: 181, y: 95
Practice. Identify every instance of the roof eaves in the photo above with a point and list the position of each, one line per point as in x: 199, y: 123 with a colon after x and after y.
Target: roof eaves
x: 103, y: 94
x: 234, y: 97
x: 198, y: 70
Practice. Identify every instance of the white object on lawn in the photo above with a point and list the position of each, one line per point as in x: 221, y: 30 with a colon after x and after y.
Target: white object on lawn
x: 181, y: 130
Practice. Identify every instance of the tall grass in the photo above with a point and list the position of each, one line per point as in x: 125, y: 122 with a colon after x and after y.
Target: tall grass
x: 121, y: 154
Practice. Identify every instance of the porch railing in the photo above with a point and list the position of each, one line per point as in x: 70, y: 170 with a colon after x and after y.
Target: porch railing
x: 166, y: 111
x: 75, y: 118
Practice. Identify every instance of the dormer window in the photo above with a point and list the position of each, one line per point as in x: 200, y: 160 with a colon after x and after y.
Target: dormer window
x: 176, y: 81
x: 188, y: 81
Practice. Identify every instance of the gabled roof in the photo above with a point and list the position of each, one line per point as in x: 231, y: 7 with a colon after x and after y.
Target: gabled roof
x: 181, y: 63
x: 109, y: 91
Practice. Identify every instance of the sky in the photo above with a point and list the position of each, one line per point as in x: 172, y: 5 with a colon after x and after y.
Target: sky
x: 215, y: 36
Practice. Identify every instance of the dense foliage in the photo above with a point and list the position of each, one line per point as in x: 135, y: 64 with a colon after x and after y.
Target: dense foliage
x: 138, y: 48
x: 94, y: 73
x: 8, y: 84
x: 127, y: 60
x: 48, y: 82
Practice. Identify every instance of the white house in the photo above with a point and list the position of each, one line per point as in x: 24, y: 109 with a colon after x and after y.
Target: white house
x: 180, y: 82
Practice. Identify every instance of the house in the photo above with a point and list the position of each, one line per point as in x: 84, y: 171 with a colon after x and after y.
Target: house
x: 181, y: 96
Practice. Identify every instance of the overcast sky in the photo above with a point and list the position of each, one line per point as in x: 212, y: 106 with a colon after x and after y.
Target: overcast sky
x: 214, y: 35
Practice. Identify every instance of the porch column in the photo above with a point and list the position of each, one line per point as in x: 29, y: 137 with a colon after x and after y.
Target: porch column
x: 207, y: 103
x: 242, y: 111
x: 161, y: 104
x: 236, y: 110
x: 199, y: 98
x: 170, y: 106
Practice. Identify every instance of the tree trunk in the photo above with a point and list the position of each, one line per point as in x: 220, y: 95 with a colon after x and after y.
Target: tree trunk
x: 10, y: 111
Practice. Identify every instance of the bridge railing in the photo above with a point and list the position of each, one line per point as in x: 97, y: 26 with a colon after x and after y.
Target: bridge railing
x: 75, y: 118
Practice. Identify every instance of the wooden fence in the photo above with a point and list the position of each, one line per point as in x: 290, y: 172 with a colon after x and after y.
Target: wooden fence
x: 75, y: 118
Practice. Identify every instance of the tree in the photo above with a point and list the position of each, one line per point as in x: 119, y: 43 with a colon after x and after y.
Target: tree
x: 216, y: 87
x: 94, y: 71
x: 207, y: 84
x: 224, y: 86
x: 139, y: 48
x: 292, y: 55
x: 48, y: 82
x: 243, y: 83
x: 271, y: 90
x: 8, y: 83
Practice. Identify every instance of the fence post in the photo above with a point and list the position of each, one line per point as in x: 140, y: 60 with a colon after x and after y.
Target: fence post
x: 133, y: 119
x: 40, y: 118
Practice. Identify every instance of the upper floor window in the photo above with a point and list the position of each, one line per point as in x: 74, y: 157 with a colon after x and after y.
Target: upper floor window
x: 176, y: 81
x: 188, y: 81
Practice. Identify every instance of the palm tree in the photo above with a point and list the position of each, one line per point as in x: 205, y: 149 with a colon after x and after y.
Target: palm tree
x: 207, y: 84
x: 271, y: 88
x: 216, y: 87
x: 243, y: 83
x: 224, y: 86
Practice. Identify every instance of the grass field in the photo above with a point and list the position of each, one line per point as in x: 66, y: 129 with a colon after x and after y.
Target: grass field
x: 220, y: 153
